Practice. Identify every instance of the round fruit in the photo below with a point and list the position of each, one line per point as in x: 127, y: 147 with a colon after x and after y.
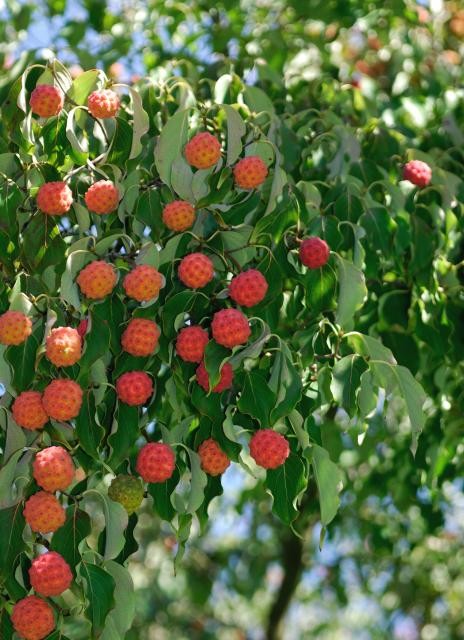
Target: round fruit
x: 203, y: 150
x: 44, y: 513
x: 62, y: 399
x: 102, y: 197
x: 269, y: 449
x: 134, y: 388
x: 250, y: 172
x: 230, y: 328
x: 53, y: 469
x: 97, y: 279
x: 63, y: 346
x: 225, y: 380
x: 33, y: 618
x: 28, y: 411
x: 196, y: 270
x: 417, y: 172
x: 179, y: 215
x: 46, y: 100
x: 128, y: 491
x: 54, y: 198
x: 15, y: 328
x: 50, y: 574
x: 140, y: 337
x: 156, y: 462
x: 314, y: 252
x: 143, y: 283
x: 103, y: 104
x: 191, y: 343
x: 248, y: 288
x: 213, y: 459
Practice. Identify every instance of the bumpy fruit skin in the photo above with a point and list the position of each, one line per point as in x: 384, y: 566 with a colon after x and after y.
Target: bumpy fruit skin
x: 191, y: 343
x: 102, y: 197
x: 28, y: 411
x: 140, y: 337
x: 143, y: 283
x: 179, y: 215
x: 248, y: 288
x: 43, y: 512
x: 50, y: 574
x: 134, y: 388
x: 213, y: 459
x: 128, y: 491
x: 97, y: 279
x: 196, y: 270
x: 225, y: 380
x: 314, y: 252
x: 104, y: 103
x: 54, y: 198
x: 156, y: 462
x: 230, y: 328
x: 46, y: 100
x: 63, y: 346
x: 53, y: 469
x: 269, y: 449
x: 33, y: 618
x: 62, y: 399
x: 203, y: 150
x: 82, y: 328
x: 250, y: 172
x: 417, y: 172
x: 15, y: 328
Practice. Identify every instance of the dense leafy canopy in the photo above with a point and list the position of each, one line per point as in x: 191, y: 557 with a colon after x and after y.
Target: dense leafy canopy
x: 358, y: 363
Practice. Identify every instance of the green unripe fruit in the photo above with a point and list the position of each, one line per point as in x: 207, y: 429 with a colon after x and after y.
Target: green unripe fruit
x: 128, y: 491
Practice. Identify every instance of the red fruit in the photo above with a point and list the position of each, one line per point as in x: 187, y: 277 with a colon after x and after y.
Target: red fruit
x: 225, y: 380
x: 46, y: 100
x: 230, y: 328
x: 62, y: 399
x: 97, y: 279
x: 417, y: 172
x: 33, y: 618
x: 103, y: 104
x: 28, y: 411
x: 140, y: 337
x: 196, y: 270
x: 213, y: 459
x: 179, y: 215
x: 143, y: 283
x: 269, y: 449
x: 50, y: 574
x: 54, y: 198
x: 191, y: 343
x: 43, y: 512
x: 134, y: 388
x: 82, y: 327
x: 53, y: 469
x: 248, y: 288
x: 156, y: 462
x: 203, y: 150
x: 102, y: 197
x: 63, y: 346
x: 15, y: 328
x: 314, y: 252
x: 250, y: 172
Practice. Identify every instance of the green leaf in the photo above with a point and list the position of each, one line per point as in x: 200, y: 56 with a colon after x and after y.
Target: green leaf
x: 12, y: 525
x: 320, y: 285
x: 7, y: 478
x: 352, y: 291
x: 99, y: 592
x: 256, y: 399
x: 346, y: 376
x: 285, y: 382
x: 69, y: 289
x: 22, y: 359
x: 88, y: 430
x: 215, y: 356
x: 66, y: 539
x: 236, y: 129
x: 285, y: 484
x: 161, y: 493
x: 369, y: 347
x: 329, y: 480
x: 171, y: 143
x: 121, y: 144
x: 198, y: 482
x: 121, y: 617
x: 115, y: 522
x: 125, y: 432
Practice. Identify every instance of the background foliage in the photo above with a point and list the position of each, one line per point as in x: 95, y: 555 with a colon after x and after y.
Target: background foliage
x: 344, y: 101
